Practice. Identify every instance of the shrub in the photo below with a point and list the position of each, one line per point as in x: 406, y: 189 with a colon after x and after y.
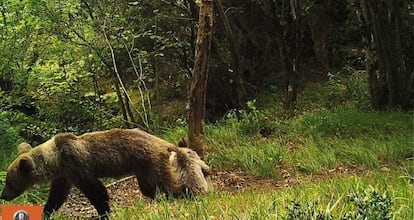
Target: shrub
x: 252, y: 121
x: 306, y: 211
x: 9, y: 137
x: 347, y: 86
x: 370, y: 205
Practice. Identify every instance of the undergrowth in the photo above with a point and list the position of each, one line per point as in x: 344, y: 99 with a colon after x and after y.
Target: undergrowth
x: 379, y: 195
x: 325, y: 132
x: 313, y: 141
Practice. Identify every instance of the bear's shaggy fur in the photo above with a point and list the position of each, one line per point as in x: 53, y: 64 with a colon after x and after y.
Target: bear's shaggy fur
x: 66, y: 160
x: 191, y: 171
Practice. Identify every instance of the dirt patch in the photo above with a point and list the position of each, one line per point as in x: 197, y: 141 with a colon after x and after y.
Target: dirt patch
x: 122, y: 193
x: 237, y: 181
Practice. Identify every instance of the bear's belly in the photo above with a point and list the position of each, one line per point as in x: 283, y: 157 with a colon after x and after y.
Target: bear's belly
x: 115, y: 171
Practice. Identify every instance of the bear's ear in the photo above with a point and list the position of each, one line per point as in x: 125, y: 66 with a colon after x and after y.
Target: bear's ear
x: 26, y: 165
x: 182, y: 143
x: 23, y: 148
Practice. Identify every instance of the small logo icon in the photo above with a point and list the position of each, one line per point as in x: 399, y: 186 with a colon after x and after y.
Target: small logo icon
x: 21, y: 212
x: 21, y: 215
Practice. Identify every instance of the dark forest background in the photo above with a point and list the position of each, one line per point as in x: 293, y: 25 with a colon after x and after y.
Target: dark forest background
x: 91, y: 65
x: 308, y: 109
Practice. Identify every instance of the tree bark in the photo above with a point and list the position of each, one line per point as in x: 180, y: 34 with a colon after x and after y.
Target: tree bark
x: 197, y: 98
x: 121, y: 103
x: 389, y: 42
x: 375, y: 84
x: 290, y: 72
x: 237, y: 87
x: 194, y: 14
x: 293, y: 77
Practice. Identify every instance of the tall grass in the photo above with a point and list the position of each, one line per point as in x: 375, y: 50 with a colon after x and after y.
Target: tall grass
x: 314, y: 141
x: 315, y: 138
x: 328, y: 196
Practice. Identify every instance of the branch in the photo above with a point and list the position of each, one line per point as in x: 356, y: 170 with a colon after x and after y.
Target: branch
x: 103, y: 110
x: 144, y: 117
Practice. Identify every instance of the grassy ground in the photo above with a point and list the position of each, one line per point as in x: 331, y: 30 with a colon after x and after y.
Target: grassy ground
x: 376, y: 147
x: 331, y: 131
x: 330, y: 194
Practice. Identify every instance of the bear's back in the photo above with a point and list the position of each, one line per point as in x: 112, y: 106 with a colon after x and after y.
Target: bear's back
x: 111, y: 153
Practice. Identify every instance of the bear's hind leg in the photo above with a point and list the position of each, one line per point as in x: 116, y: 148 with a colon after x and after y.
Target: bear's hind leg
x: 59, y: 191
x: 96, y: 192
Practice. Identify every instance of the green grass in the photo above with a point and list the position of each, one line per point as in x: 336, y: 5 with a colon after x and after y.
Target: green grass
x: 258, y: 160
x: 314, y: 141
x: 351, y: 122
x: 330, y: 195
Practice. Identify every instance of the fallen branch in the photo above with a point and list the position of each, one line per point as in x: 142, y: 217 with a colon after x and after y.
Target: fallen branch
x: 118, y: 181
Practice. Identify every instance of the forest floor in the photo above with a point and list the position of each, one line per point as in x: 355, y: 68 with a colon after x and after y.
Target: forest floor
x: 124, y: 192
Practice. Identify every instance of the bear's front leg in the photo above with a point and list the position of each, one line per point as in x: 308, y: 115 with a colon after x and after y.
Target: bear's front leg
x: 96, y: 192
x: 147, y: 189
x: 59, y: 191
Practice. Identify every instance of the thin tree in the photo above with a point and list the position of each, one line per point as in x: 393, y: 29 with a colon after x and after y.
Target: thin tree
x: 198, y: 89
x: 238, y: 90
x: 289, y: 62
x: 291, y: 79
x: 390, y: 53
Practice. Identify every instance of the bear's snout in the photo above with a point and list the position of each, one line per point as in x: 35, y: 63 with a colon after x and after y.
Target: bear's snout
x: 8, y: 194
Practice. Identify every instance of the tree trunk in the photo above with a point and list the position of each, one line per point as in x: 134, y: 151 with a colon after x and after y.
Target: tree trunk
x: 321, y: 25
x: 121, y: 103
x: 237, y: 87
x: 289, y: 68
x: 128, y: 108
x: 389, y: 41
x: 194, y: 14
x: 293, y: 77
x: 198, y: 89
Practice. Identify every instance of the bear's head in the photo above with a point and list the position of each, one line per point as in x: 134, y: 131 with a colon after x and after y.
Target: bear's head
x: 190, y: 169
x: 194, y: 157
x: 19, y: 174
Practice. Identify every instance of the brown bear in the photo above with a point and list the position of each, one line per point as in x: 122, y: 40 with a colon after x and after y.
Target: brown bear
x: 66, y: 160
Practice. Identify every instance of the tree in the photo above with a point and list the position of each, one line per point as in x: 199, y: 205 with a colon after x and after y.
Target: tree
x: 198, y: 89
x: 290, y: 61
x: 237, y: 88
x: 390, y: 52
